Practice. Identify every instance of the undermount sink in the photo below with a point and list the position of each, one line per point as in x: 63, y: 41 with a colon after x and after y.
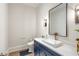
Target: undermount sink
x: 54, y: 43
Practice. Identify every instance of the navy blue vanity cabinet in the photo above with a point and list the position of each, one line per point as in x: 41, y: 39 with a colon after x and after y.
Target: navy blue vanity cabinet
x: 41, y: 50
x: 36, y: 49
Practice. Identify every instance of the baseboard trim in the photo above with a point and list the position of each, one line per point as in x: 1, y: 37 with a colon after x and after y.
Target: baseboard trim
x: 17, y: 48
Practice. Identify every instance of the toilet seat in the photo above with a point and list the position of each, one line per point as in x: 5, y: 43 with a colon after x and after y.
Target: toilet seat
x: 30, y: 46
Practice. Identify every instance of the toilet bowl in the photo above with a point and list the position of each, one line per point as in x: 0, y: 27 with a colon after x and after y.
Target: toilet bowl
x: 31, y: 46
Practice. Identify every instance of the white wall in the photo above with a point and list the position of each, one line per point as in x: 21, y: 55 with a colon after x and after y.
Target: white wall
x: 3, y: 27
x: 22, y: 24
x: 43, y: 13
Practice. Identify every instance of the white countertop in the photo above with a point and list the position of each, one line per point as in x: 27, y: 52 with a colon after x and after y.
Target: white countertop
x: 64, y: 50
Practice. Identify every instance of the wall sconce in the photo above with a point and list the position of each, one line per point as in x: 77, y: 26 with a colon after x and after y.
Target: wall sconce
x: 45, y: 24
x: 77, y: 15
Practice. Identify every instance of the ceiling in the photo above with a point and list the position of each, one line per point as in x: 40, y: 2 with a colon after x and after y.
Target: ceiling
x: 33, y: 4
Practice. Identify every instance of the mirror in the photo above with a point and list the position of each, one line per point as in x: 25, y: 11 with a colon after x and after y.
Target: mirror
x: 58, y: 20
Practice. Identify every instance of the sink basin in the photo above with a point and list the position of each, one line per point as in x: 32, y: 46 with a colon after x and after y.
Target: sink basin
x: 54, y: 43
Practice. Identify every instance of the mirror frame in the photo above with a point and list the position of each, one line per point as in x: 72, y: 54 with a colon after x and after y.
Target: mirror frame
x: 66, y: 20
x: 76, y: 15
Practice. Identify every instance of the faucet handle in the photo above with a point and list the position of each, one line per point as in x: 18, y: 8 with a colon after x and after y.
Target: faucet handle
x: 56, y: 34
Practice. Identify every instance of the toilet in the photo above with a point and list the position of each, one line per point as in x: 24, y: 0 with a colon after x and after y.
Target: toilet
x: 31, y: 46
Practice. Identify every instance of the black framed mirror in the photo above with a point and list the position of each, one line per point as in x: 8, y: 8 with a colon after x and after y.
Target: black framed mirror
x: 58, y: 20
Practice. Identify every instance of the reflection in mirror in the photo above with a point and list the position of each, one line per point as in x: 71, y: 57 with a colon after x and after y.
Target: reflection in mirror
x: 58, y: 20
x: 77, y: 15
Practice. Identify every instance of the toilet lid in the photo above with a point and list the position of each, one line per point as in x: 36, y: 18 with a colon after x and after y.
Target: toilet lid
x: 30, y: 43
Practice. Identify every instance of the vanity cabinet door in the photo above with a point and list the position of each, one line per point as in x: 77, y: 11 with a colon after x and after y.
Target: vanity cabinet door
x: 36, y: 49
x: 47, y: 53
x: 42, y: 51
